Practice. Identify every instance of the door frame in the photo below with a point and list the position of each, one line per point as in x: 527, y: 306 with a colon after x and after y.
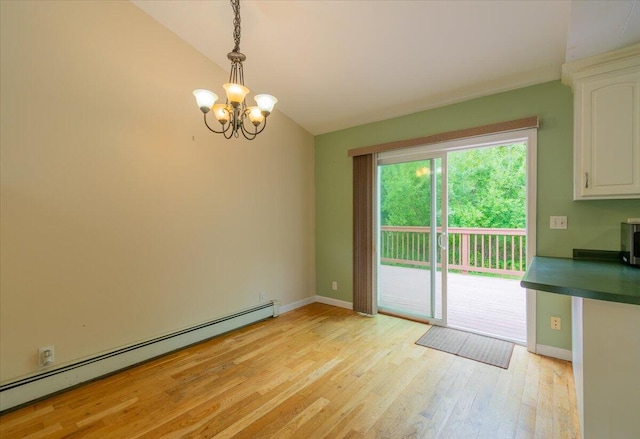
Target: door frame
x: 529, y: 135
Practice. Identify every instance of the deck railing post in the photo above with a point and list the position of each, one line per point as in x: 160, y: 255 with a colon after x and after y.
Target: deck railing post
x: 464, y: 249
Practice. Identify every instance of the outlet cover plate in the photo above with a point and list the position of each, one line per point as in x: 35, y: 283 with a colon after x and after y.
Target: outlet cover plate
x: 46, y: 356
x: 558, y: 222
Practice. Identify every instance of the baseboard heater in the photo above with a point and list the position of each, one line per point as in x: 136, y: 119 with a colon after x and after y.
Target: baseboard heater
x: 23, y: 391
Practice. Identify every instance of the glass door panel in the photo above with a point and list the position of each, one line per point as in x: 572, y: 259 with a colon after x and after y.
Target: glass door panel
x: 411, y: 239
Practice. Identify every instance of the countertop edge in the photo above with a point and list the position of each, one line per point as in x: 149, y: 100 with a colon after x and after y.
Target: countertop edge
x: 586, y: 294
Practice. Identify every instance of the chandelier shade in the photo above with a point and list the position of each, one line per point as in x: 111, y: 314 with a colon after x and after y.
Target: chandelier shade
x: 222, y: 112
x: 255, y: 115
x: 205, y: 99
x: 233, y: 114
x: 265, y: 102
x: 235, y: 93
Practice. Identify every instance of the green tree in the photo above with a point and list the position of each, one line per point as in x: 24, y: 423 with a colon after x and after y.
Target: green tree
x: 404, y: 193
x: 486, y: 188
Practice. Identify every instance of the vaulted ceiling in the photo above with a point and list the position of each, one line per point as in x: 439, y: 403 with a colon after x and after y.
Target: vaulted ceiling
x: 337, y: 64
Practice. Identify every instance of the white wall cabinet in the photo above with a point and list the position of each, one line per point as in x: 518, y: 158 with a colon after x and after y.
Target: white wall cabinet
x: 606, y: 124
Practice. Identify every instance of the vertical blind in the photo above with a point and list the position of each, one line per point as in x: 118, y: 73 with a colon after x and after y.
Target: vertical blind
x: 363, y: 233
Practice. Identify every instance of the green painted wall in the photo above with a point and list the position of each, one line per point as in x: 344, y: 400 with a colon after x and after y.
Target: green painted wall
x: 591, y: 224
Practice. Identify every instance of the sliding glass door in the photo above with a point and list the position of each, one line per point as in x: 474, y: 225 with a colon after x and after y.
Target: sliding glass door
x: 411, y: 219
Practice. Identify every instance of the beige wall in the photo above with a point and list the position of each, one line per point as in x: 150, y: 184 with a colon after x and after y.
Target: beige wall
x: 122, y: 217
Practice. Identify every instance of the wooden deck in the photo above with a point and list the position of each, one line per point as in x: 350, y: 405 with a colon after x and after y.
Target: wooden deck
x: 487, y: 305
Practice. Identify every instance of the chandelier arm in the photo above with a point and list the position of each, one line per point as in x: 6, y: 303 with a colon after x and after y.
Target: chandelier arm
x: 248, y: 136
x: 246, y: 132
x: 264, y: 125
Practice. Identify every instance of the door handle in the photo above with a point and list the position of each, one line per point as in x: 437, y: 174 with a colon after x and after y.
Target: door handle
x: 442, y: 241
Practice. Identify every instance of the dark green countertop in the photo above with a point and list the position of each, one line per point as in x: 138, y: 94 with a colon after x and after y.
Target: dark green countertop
x: 610, y: 281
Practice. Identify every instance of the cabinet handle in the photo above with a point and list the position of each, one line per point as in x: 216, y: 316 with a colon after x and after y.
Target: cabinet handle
x: 586, y: 180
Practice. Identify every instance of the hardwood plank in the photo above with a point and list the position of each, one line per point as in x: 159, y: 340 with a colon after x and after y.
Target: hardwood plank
x: 44, y: 432
x: 530, y: 395
x: 404, y: 418
x: 446, y: 395
x: 87, y: 420
x: 545, y: 402
x: 461, y: 422
x: 526, y: 422
x: 292, y: 427
x: 484, y: 395
x: 239, y: 425
x: 491, y: 419
x: 511, y: 408
x: 563, y: 425
x: 316, y: 372
x: 386, y: 393
x: 574, y: 422
x: 543, y: 428
x: 13, y: 419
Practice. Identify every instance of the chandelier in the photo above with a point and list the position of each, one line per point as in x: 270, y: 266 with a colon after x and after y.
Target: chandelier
x: 233, y: 114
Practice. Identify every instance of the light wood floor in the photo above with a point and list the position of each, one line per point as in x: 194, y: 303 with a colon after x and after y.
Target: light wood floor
x: 316, y: 372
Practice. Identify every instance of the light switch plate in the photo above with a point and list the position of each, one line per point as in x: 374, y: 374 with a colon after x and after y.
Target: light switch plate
x: 557, y: 222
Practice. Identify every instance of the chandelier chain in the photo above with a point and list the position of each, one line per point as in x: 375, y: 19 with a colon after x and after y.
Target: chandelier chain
x: 235, y: 4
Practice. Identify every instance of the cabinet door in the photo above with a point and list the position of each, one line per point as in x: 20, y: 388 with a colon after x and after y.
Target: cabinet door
x: 608, y: 136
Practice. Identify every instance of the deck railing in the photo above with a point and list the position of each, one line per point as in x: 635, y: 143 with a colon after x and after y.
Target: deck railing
x: 498, y: 251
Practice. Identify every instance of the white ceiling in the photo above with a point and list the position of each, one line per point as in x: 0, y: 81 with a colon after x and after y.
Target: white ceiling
x: 337, y: 64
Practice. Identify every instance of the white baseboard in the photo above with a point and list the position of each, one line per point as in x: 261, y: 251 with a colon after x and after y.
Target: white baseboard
x: 314, y: 299
x: 298, y: 304
x: 334, y: 302
x: 554, y: 352
x: 50, y: 381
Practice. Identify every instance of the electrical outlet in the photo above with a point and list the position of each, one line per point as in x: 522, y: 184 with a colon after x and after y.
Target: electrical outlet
x: 558, y: 222
x: 556, y: 323
x: 334, y: 285
x: 261, y: 296
x: 46, y: 356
